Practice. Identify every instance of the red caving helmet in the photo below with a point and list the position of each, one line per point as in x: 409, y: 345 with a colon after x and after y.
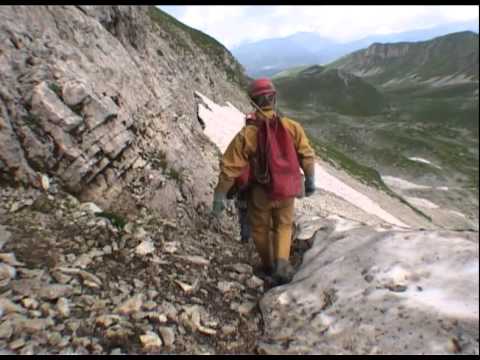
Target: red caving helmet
x: 261, y: 86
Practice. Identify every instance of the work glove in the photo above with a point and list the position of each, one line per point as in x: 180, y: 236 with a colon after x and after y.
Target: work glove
x: 309, y: 185
x: 218, y: 203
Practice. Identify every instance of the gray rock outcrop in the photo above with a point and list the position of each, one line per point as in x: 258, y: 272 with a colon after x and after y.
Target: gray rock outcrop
x: 101, y: 99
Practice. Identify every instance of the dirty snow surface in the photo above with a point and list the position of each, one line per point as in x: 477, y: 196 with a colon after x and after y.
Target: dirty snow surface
x: 223, y: 122
x: 374, y: 291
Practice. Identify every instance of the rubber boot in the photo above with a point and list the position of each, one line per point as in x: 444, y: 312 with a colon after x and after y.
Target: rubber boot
x: 283, y: 272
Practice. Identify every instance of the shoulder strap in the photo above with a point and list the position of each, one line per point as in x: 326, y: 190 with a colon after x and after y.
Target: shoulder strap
x: 251, y: 119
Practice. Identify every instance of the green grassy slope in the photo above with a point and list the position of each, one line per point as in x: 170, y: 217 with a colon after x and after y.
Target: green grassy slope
x: 329, y: 90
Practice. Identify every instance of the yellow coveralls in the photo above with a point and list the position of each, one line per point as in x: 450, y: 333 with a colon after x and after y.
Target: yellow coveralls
x: 261, y: 210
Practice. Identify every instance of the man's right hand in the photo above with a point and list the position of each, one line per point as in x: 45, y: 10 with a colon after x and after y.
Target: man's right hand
x: 218, y: 203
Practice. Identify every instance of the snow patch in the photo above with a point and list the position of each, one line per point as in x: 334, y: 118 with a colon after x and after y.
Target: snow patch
x: 421, y: 202
x: 330, y: 183
x: 417, y: 159
x: 222, y: 123
x: 457, y: 213
x: 402, y: 184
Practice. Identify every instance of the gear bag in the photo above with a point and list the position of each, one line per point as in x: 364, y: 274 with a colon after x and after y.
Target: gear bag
x: 275, y: 164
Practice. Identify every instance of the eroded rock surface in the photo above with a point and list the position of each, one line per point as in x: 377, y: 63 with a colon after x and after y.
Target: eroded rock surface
x: 101, y: 99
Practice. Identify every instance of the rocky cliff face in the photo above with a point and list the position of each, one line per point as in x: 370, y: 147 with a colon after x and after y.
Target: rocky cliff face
x: 100, y: 101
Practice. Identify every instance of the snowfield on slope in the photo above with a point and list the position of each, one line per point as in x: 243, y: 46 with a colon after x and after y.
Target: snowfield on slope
x: 223, y: 122
x: 364, y: 290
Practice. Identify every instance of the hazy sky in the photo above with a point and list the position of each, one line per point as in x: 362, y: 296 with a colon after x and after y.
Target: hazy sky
x: 232, y: 25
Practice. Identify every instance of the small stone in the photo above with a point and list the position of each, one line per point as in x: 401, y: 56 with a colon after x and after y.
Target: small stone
x: 196, y: 260
x: 7, y: 273
x: 106, y: 321
x: 185, y: 287
x: 116, y: 351
x: 29, y: 349
x: 83, y: 261
x: 264, y: 348
x: 61, y: 278
x: 225, y: 286
x: 146, y: 247
x: 30, y: 303
x: 246, y: 308
x: 151, y: 341
x: 74, y: 92
x: 168, y: 335
x: 150, y: 305
x: 91, y: 284
x: 140, y: 234
x: 4, y: 236
x: 242, y: 268
x: 70, y: 257
x: 71, y: 201
x: 16, y: 344
x: 107, y: 250
x: 90, y: 208
x: 45, y: 182
x: 46, y: 310
x: 131, y: 305
x: 33, y: 326
x: 15, y: 206
x: 81, y: 341
x: 206, y: 331
x: 7, y: 306
x: 92, y: 280
x: 10, y: 259
x: 54, y: 338
x: 64, y: 342
x: 152, y: 294
x: 52, y: 292
x: 73, y: 325
x: 228, y: 330
x: 254, y: 282
x: 35, y: 313
x: 6, y: 330
x: 170, y: 310
x: 170, y: 247
x: 63, y: 307
x: 158, y: 317
x: 138, y: 284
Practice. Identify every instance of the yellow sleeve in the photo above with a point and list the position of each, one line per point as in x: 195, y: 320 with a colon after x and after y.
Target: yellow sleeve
x: 236, y: 158
x: 302, y: 146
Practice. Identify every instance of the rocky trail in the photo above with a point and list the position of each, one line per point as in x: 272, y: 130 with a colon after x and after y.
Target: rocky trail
x: 73, y: 282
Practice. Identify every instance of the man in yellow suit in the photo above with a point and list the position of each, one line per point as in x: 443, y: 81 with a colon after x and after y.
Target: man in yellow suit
x: 265, y: 210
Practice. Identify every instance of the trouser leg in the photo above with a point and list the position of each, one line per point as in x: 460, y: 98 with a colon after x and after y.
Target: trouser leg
x: 282, y: 216
x: 259, y: 214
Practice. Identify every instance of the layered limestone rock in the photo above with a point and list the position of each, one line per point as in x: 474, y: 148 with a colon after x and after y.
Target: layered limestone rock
x: 101, y: 100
